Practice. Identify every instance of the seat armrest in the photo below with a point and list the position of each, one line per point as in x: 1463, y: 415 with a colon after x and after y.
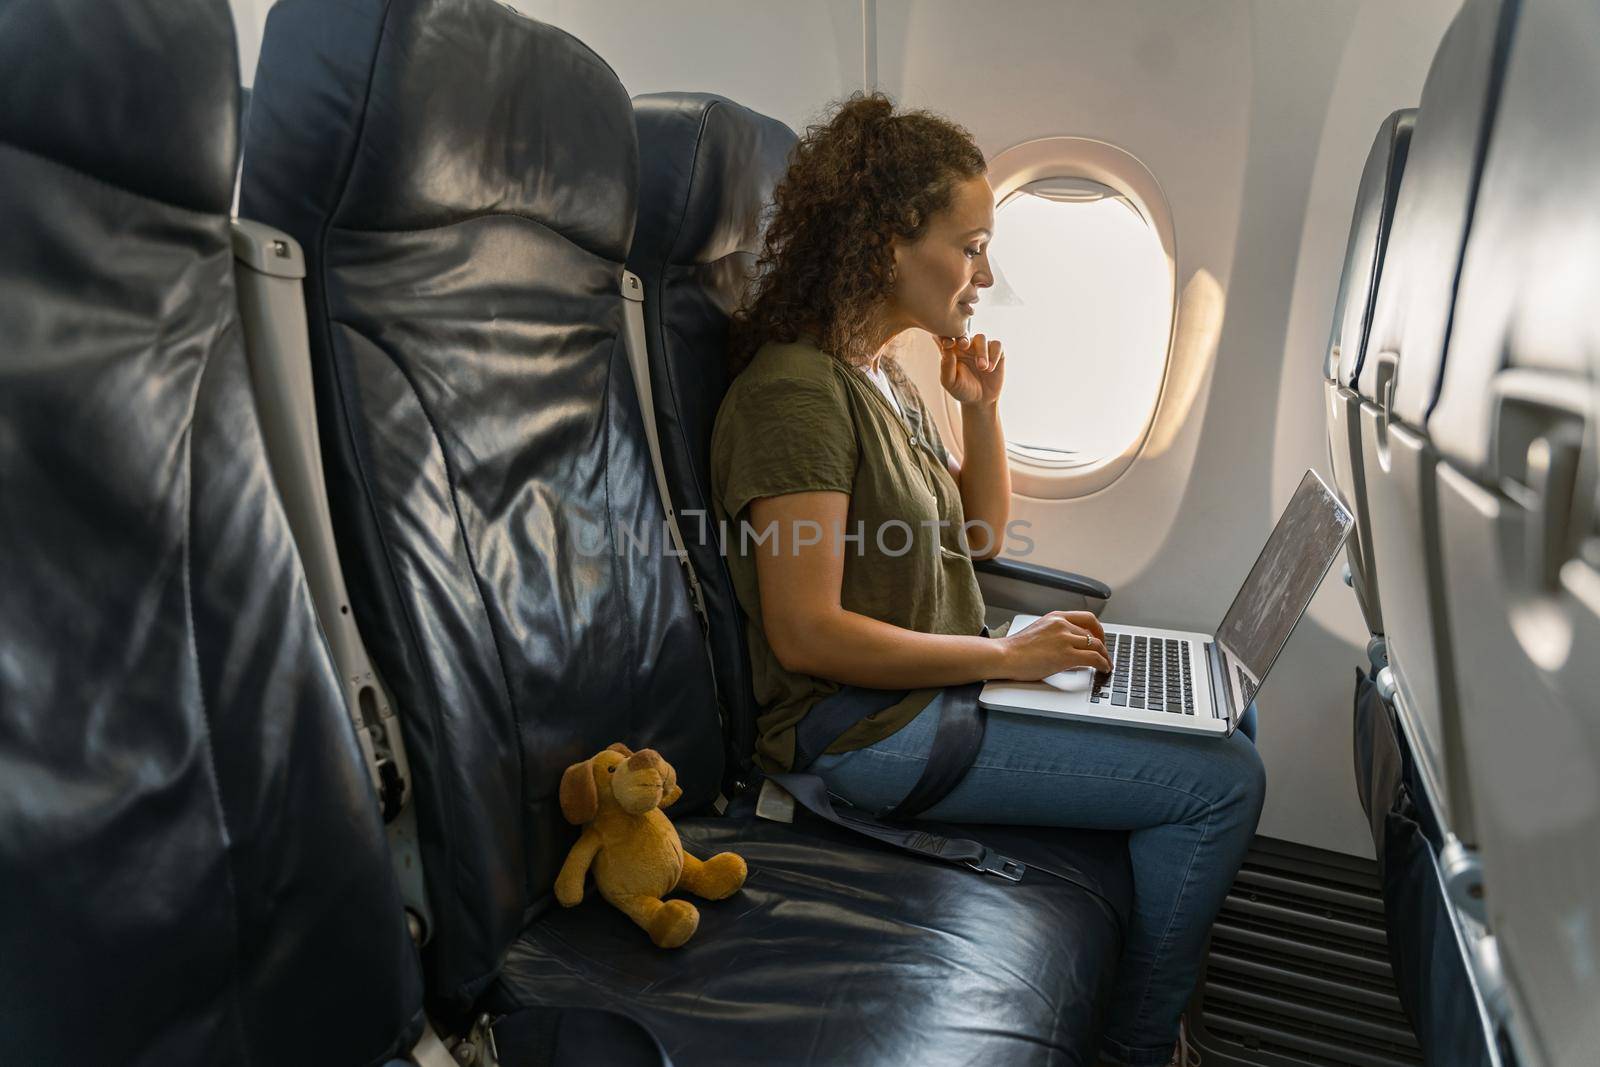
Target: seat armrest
x: 1034, y: 589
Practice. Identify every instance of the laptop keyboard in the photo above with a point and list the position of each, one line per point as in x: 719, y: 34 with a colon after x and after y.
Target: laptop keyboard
x: 1148, y: 673
x: 1246, y: 686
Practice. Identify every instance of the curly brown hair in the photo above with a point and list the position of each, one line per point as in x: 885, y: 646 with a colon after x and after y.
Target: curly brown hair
x: 867, y: 175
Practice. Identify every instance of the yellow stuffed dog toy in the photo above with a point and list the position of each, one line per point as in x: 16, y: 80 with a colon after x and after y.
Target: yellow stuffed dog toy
x: 617, y: 797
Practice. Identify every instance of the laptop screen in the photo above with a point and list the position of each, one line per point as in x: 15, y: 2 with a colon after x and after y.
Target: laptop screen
x: 1303, y: 545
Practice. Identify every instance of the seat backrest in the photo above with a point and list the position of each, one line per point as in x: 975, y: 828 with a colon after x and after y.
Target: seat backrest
x: 1432, y: 214
x: 1369, y: 239
x: 193, y: 863
x: 1530, y: 258
x: 1517, y: 518
x: 462, y: 181
x: 1352, y: 316
x: 707, y: 168
x: 1404, y: 353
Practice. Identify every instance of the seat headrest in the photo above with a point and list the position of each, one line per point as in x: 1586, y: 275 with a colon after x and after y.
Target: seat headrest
x: 426, y: 137
x: 79, y: 91
x: 708, y: 167
x: 1416, y: 292
x: 1532, y: 263
x: 1369, y: 236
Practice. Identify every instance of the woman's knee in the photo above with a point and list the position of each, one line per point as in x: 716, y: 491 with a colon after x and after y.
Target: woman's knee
x: 1246, y: 778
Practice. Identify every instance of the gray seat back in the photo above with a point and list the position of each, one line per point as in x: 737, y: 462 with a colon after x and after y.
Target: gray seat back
x: 707, y: 168
x: 1517, y: 521
x: 1368, y: 242
x: 462, y: 181
x: 1352, y: 317
x: 193, y: 863
x: 1404, y: 353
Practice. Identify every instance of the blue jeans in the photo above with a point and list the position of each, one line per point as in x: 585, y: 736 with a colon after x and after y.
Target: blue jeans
x: 1191, y: 804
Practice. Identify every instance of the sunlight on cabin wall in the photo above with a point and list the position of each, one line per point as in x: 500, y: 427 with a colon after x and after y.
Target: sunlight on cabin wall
x: 1194, y: 353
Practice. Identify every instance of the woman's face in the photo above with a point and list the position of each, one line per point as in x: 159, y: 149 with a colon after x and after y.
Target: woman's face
x: 937, y: 276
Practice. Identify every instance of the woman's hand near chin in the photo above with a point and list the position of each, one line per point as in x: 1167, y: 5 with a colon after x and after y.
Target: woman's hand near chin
x: 972, y: 369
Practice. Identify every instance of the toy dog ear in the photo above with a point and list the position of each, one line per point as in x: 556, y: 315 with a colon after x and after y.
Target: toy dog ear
x: 620, y: 749
x: 579, y: 800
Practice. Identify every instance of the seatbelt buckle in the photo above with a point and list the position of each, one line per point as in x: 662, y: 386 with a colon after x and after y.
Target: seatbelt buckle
x: 775, y: 803
x: 1005, y: 867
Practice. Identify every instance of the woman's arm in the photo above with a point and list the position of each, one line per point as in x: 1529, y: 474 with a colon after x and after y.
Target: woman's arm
x: 973, y: 371
x: 984, y: 475
x: 811, y: 633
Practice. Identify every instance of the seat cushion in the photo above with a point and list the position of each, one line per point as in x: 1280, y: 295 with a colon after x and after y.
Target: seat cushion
x: 839, y: 950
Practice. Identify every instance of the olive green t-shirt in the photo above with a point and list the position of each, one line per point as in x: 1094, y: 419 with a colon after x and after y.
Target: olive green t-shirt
x: 797, y: 420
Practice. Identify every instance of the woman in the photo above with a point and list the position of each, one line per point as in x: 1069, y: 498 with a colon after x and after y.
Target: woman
x: 850, y: 561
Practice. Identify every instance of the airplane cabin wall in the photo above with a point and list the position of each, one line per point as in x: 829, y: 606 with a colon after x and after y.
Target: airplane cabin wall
x: 1255, y: 117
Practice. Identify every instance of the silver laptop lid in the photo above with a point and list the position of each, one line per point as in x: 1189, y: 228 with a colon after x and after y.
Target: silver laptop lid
x: 1279, y: 588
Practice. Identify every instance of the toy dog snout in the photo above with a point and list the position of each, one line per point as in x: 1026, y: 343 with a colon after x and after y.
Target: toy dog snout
x: 643, y: 781
x: 639, y: 783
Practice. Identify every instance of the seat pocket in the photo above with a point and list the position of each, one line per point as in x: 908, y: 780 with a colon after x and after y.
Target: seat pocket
x: 1429, y: 971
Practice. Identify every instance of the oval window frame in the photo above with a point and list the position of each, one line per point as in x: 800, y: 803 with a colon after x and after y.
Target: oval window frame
x: 1085, y: 159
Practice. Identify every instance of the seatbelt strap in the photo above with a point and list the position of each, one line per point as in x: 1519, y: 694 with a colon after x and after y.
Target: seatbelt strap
x: 962, y: 721
x: 812, y: 793
x: 955, y: 743
x: 955, y: 746
x: 829, y: 719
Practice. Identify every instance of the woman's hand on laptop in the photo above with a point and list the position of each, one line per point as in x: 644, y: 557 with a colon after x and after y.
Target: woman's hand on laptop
x: 1055, y: 642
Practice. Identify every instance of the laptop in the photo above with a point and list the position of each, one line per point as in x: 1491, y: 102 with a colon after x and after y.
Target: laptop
x: 1194, y: 682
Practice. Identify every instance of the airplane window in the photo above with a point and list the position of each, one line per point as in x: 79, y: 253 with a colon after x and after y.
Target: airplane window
x: 1082, y: 298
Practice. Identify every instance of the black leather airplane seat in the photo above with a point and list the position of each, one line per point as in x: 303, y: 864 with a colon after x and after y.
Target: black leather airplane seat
x: 193, y: 862
x: 463, y: 180
x: 846, y: 971
x: 1352, y: 317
